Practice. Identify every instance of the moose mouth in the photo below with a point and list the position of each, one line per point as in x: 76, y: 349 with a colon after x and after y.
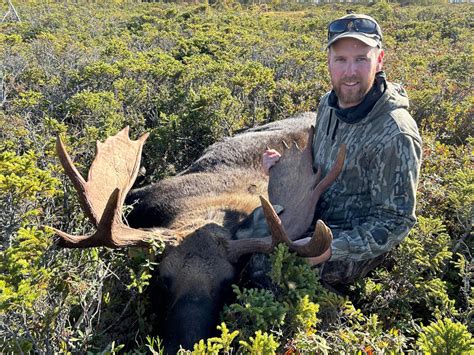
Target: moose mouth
x: 192, y: 318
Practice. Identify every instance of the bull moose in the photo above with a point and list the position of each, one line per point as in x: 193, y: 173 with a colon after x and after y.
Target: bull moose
x: 203, y: 214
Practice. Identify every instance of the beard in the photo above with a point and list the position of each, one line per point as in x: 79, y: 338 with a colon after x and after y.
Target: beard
x: 349, y: 96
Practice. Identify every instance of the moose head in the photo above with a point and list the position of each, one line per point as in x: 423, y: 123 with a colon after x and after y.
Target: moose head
x: 198, y: 213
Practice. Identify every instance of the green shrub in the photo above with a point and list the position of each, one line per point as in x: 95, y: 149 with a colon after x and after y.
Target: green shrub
x: 293, y: 276
x: 261, y: 343
x: 445, y: 337
x: 191, y: 74
x: 414, y: 283
x: 216, y: 345
x: 255, y: 309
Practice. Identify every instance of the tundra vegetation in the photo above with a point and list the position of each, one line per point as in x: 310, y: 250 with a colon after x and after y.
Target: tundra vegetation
x: 191, y: 75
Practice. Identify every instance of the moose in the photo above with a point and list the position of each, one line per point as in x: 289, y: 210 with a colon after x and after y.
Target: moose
x: 203, y: 215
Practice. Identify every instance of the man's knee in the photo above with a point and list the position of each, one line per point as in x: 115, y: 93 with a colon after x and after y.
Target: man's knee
x: 345, y: 272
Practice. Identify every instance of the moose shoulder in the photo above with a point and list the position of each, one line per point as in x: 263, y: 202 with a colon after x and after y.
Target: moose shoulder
x: 198, y: 214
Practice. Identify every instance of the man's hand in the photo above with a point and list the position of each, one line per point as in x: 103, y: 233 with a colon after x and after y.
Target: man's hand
x: 270, y: 158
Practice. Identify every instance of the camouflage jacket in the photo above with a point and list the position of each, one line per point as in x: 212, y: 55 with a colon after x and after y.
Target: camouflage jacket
x: 371, y: 205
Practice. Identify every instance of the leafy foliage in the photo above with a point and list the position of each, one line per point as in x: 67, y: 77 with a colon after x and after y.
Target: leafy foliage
x: 292, y: 312
x: 414, y: 282
x: 216, y: 345
x: 261, y: 343
x: 190, y: 75
x: 445, y: 337
x: 255, y: 309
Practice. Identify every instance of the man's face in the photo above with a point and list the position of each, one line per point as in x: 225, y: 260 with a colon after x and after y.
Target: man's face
x: 353, y: 65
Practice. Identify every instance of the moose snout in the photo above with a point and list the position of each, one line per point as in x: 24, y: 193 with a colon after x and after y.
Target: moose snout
x: 192, y: 318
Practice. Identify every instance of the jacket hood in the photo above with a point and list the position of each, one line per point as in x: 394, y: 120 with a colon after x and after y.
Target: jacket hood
x: 394, y: 97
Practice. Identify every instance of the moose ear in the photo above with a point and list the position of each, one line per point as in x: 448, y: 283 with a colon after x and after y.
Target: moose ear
x: 255, y: 225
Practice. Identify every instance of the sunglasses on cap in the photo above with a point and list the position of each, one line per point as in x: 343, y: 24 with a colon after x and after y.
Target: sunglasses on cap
x: 353, y: 25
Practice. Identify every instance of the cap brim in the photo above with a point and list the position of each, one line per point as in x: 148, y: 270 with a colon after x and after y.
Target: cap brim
x: 370, y: 41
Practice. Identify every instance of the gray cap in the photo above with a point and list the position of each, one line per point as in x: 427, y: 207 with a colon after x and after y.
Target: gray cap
x: 352, y: 30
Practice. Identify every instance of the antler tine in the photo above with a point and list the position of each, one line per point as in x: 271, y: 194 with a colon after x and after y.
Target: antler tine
x: 100, y: 237
x: 112, y: 233
x: 317, y: 245
x: 277, y: 230
x: 237, y: 248
x: 332, y: 174
x: 76, y: 178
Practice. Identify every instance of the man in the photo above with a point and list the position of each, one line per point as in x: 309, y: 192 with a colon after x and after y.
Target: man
x: 370, y: 208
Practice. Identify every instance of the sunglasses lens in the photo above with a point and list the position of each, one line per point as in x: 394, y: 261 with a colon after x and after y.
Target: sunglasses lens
x: 338, y: 26
x: 366, y: 26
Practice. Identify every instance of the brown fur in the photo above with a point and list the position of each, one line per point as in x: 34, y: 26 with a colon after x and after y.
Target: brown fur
x: 203, y: 207
x: 199, y: 214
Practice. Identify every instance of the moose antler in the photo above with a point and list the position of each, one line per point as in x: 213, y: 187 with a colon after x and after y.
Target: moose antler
x: 294, y: 186
x: 110, y: 177
x: 318, y: 244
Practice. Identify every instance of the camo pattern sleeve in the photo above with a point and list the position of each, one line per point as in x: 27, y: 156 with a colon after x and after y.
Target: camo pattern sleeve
x: 393, y: 178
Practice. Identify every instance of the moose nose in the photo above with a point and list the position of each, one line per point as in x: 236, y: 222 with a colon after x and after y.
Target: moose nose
x: 192, y: 318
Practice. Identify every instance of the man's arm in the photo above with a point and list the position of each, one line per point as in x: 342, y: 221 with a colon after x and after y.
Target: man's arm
x: 394, y: 173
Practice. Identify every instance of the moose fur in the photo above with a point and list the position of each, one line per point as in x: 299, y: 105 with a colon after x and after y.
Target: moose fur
x: 206, y: 204
x: 204, y: 215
